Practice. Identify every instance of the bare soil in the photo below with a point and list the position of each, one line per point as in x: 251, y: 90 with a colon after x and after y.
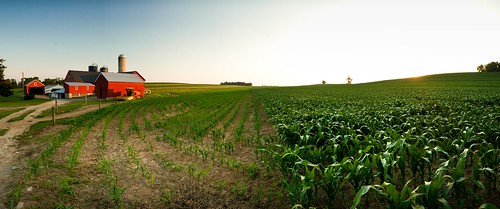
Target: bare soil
x: 9, y: 151
x: 157, y: 174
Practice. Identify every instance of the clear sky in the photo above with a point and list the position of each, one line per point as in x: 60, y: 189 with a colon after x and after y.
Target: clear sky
x: 266, y: 42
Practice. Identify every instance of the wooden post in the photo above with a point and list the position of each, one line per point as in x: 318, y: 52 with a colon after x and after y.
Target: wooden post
x: 99, y: 104
x: 53, y: 116
x: 85, y: 99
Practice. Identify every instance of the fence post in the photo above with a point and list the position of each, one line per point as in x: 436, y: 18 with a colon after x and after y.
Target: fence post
x: 85, y: 99
x: 53, y: 116
x: 99, y: 104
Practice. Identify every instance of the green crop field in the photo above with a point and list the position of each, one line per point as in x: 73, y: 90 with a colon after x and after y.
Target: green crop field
x: 428, y: 142
x: 431, y: 141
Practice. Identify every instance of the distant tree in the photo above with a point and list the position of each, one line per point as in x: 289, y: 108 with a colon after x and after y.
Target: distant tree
x: 2, y: 68
x: 50, y: 81
x: 493, y: 67
x: 13, y: 83
x: 5, y: 85
x: 490, y: 67
x: 481, y: 68
x: 349, y: 80
x: 29, y: 79
x: 323, y: 82
x: 239, y: 83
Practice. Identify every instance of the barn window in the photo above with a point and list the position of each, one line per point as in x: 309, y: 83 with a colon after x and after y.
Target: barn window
x: 35, y: 84
x: 87, y: 88
x: 76, y: 87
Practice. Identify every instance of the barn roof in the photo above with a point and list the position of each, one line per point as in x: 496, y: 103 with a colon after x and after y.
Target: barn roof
x: 135, y: 72
x: 122, y: 77
x: 57, y: 86
x: 49, y: 88
x: 81, y: 76
x: 33, y: 81
x: 78, y: 84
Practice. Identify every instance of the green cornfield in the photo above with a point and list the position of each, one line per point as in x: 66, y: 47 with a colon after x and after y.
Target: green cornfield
x: 429, y: 142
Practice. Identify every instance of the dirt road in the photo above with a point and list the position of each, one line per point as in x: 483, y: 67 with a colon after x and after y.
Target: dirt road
x: 8, y: 148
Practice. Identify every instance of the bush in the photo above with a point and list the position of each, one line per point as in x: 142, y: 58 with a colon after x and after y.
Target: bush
x: 29, y: 97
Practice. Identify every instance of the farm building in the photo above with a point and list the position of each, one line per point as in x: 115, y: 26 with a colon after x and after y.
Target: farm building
x: 77, y: 89
x: 34, y: 87
x: 104, y: 84
x: 50, y: 88
x: 54, y: 91
x: 116, y: 84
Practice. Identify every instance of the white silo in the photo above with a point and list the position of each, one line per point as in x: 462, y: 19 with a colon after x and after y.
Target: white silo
x: 122, y: 63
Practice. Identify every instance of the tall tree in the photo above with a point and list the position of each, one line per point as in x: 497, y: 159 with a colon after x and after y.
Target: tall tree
x: 5, y: 86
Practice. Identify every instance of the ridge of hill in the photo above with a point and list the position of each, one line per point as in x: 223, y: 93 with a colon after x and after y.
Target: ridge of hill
x: 448, y: 79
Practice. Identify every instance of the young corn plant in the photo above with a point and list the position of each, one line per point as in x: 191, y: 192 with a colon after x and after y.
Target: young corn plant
x: 436, y: 192
x: 166, y: 196
x: 116, y: 192
x: 66, y: 188
x: 332, y: 181
x: 406, y: 198
x: 490, y: 162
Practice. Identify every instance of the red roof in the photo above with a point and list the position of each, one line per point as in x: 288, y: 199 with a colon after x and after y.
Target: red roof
x: 35, y: 81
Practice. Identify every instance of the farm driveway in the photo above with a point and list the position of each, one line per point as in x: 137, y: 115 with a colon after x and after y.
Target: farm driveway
x: 7, y: 142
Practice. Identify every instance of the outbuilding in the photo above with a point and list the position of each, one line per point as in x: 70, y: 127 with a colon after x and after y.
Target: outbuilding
x: 34, y: 87
x: 110, y: 85
x: 51, y: 88
x: 77, y: 89
x: 54, y: 91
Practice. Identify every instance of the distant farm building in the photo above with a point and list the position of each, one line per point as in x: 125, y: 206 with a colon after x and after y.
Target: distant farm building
x: 76, y: 89
x: 34, y: 87
x: 104, y: 84
x: 54, y: 91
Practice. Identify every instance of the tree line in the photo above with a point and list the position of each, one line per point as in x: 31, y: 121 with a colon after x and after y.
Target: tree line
x: 6, y: 85
x: 239, y: 83
x: 490, y: 67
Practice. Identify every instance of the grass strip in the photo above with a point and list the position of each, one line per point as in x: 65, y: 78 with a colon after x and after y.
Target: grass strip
x: 20, y: 117
x: 5, y: 113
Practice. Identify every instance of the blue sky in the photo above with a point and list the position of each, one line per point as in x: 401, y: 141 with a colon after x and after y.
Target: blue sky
x: 265, y: 42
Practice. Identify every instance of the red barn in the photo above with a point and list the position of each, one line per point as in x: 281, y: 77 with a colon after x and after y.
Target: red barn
x: 116, y: 84
x: 34, y: 87
x: 77, y: 89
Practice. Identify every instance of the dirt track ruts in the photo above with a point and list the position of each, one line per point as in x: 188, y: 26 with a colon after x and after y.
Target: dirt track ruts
x: 8, y: 148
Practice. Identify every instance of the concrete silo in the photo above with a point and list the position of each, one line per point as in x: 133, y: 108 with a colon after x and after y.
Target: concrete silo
x: 122, y: 63
x: 104, y: 69
x: 93, y: 68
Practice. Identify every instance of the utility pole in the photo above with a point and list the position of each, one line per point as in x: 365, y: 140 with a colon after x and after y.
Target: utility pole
x: 22, y: 79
